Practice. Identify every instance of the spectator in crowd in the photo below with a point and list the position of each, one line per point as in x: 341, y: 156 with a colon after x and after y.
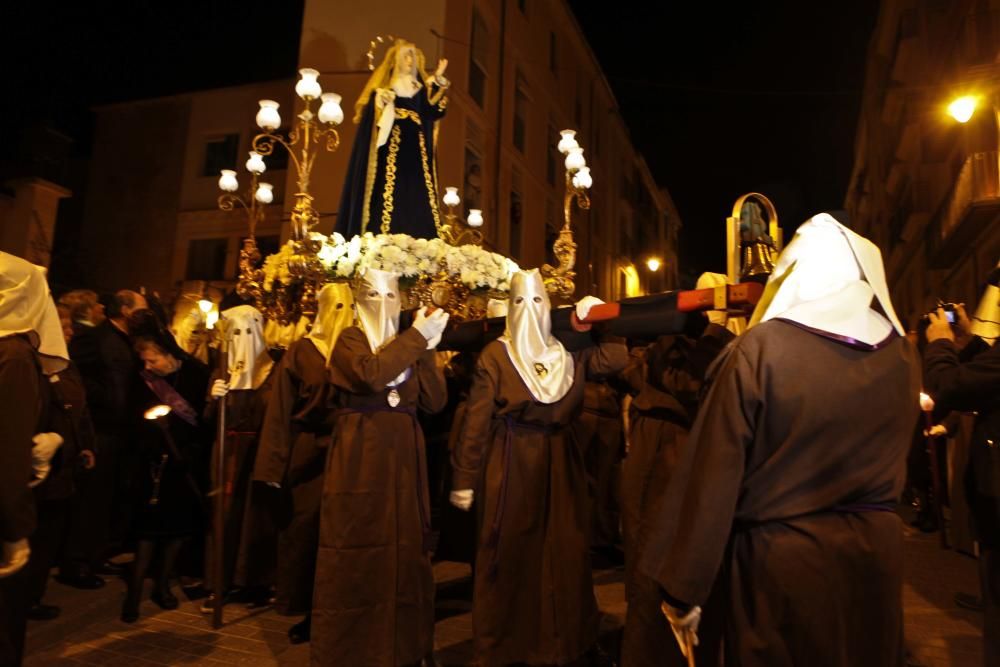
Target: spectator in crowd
x: 171, y: 465
x: 99, y: 518
x: 968, y: 379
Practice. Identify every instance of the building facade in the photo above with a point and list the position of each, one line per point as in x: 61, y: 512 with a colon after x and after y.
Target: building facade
x: 925, y: 187
x: 521, y: 71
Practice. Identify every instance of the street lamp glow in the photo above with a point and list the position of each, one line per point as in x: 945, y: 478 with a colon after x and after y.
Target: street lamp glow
x: 475, y: 218
x: 575, y: 159
x: 268, y: 117
x: 308, y: 87
x: 583, y: 179
x: 255, y: 165
x: 567, y: 142
x: 451, y: 197
x: 330, y: 110
x: 653, y: 264
x: 962, y: 108
x: 265, y: 193
x: 228, y: 182
x: 205, y: 306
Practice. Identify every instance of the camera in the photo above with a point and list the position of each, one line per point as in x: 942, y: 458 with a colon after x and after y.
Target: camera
x: 949, y: 311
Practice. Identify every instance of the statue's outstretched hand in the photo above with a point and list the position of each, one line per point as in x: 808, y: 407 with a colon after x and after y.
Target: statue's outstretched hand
x: 442, y: 66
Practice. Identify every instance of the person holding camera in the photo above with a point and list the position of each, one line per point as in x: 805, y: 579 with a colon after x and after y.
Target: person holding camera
x: 967, y: 378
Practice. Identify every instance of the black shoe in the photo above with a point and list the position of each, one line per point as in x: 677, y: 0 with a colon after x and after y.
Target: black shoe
x: 164, y: 599
x: 596, y: 657
x: 925, y: 522
x: 43, y: 612
x: 969, y: 601
x: 111, y: 569
x: 301, y: 631
x: 130, y: 610
x: 87, y: 582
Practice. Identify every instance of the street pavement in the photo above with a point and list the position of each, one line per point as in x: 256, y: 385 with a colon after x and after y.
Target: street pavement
x: 88, y: 632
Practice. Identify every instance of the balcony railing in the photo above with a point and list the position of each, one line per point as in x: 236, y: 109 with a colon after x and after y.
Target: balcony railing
x: 972, y: 204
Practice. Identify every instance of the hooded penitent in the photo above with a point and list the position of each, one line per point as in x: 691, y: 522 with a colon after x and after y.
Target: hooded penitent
x: 540, y: 359
x: 26, y: 307
x: 248, y: 360
x: 334, y: 313
x: 376, y: 300
x: 831, y: 281
x: 986, y: 319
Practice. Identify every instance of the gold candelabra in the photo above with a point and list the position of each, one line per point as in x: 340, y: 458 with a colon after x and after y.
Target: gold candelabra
x: 454, y: 233
x: 559, y: 280
x: 311, y: 132
x: 252, y: 202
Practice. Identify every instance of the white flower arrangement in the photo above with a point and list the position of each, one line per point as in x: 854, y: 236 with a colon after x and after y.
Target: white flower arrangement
x: 477, y: 268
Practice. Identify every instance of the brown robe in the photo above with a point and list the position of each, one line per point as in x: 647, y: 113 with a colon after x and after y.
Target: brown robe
x: 292, y: 453
x: 22, y: 396
x: 374, y: 597
x: 787, y: 482
x: 249, y: 537
x: 598, y: 432
x: 534, y: 594
x: 666, y: 378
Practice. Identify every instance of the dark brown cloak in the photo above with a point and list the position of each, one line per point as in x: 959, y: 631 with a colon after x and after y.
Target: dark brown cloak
x: 374, y: 598
x: 666, y: 378
x: 787, y: 483
x: 534, y: 594
x: 292, y: 453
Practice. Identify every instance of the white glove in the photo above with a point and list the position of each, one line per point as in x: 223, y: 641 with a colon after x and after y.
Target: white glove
x: 584, y: 305
x: 42, y: 452
x: 219, y: 388
x: 462, y: 499
x: 431, y: 326
x: 14, y: 557
x: 685, y: 627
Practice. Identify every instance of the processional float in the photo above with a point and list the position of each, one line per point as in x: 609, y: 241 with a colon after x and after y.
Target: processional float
x: 454, y: 270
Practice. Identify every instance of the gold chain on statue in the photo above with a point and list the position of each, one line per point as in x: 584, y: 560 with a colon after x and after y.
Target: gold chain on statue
x: 390, y: 180
x: 429, y: 181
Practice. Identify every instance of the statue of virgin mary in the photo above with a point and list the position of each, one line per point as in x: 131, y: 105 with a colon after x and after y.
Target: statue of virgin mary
x: 391, y: 184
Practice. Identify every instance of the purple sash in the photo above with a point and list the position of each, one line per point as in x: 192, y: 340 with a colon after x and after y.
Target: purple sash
x: 178, y: 405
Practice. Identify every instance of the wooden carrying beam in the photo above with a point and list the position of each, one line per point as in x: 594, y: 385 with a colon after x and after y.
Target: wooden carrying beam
x: 644, y: 317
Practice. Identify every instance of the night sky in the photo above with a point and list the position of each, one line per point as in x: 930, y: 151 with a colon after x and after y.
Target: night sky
x: 721, y: 99
x: 728, y: 98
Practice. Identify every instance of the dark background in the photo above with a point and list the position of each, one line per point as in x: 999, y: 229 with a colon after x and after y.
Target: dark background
x: 720, y: 98
x: 728, y: 98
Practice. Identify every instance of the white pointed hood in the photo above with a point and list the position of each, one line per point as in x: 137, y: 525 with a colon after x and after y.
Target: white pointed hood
x: 376, y: 300
x: 248, y: 361
x: 26, y: 307
x: 540, y: 359
x: 334, y: 313
x: 831, y: 280
x: 986, y: 319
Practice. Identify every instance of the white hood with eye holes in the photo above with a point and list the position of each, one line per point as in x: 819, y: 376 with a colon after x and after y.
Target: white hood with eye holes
x: 377, y: 303
x: 248, y: 361
x: 540, y: 359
